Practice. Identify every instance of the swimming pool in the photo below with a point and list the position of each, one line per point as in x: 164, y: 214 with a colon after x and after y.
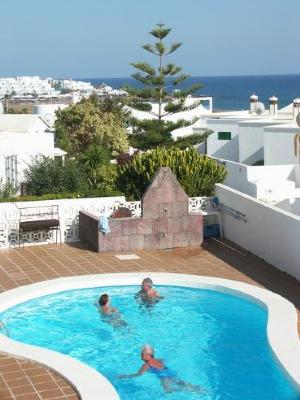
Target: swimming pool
x: 210, y: 338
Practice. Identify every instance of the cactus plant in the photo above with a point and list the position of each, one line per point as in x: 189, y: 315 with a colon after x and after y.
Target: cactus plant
x: 196, y: 173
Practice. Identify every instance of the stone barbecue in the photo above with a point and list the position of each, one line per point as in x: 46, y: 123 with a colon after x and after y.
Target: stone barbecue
x: 165, y: 223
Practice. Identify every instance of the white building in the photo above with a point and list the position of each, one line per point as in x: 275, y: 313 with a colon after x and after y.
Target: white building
x: 22, y: 86
x: 239, y: 139
x: 261, y: 151
x: 260, y: 204
x: 269, y: 183
x: 255, y: 139
x: 47, y: 112
x: 189, y: 115
x: 107, y: 91
x: 22, y: 139
x: 202, y: 110
x: 69, y: 84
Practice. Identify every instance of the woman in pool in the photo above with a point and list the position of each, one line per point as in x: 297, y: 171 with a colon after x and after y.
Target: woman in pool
x: 167, y: 377
x: 113, y: 315
x: 147, y: 295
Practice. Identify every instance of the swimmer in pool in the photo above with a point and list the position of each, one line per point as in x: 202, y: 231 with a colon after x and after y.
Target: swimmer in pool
x: 168, y: 378
x: 112, y: 314
x: 147, y: 295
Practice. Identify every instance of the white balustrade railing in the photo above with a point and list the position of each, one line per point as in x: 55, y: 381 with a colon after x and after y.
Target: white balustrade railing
x: 69, y: 216
x: 134, y: 206
x: 197, y: 204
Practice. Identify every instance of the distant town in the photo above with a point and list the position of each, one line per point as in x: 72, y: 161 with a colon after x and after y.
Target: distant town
x: 25, y: 90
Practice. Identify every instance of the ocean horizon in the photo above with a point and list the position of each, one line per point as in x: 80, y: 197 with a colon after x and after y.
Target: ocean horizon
x: 229, y: 92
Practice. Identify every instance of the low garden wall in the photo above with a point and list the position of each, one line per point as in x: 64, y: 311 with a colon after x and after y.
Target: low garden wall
x: 69, y: 216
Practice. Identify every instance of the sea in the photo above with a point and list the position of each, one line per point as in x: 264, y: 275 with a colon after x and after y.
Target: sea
x: 230, y: 92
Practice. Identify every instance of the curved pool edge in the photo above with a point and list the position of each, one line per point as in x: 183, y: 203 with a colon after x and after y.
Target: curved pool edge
x: 85, y: 380
x: 281, y: 329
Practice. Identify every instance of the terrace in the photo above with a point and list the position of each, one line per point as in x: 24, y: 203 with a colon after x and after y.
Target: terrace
x: 22, y: 379
x: 165, y: 218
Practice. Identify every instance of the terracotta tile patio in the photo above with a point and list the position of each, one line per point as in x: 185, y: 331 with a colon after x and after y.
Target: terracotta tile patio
x: 24, y: 380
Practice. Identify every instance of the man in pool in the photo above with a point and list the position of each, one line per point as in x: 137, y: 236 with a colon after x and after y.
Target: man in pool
x: 168, y: 378
x: 112, y: 314
x: 147, y: 295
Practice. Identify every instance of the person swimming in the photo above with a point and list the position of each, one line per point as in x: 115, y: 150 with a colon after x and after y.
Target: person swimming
x: 110, y: 314
x: 168, y: 378
x: 147, y: 295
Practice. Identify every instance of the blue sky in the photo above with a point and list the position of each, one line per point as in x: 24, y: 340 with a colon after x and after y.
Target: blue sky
x: 99, y: 38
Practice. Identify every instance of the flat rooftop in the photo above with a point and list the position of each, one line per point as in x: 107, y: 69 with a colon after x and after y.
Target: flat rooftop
x: 24, y: 380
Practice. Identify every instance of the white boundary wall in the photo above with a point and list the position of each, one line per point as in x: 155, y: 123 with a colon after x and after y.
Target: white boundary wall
x: 290, y: 205
x: 238, y: 179
x: 270, y: 183
x: 279, y: 144
x: 270, y: 233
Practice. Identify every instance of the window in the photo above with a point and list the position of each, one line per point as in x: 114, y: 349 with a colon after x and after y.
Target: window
x: 11, y: 170
x: 224, y: 135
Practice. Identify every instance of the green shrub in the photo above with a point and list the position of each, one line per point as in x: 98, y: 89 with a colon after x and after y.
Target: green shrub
x: 91, y: 122
x: 106, y: 177
x: 46, y: 175
x: 91, y: 161
x: 104, y: 193
x: 196, y: 173
x: 50, y: 196
x: 59, y: 196
x: 6, y: 190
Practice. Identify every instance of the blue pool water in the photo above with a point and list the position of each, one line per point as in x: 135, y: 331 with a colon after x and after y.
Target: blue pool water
x: 208, y: 338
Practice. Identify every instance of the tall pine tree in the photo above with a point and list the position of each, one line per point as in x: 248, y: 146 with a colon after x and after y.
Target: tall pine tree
x: 159, y: 96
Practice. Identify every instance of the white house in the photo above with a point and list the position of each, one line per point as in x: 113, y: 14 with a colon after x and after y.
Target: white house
x: 261, y: 151
x: 280, y: 144
x: 47, y: 112
x: 203, y: 108
x: 250, y: 138
x: 260, y: 205
x: 26, y: 85
x: 69, y: 84
x: 269, y: 183
x: 23, y: 138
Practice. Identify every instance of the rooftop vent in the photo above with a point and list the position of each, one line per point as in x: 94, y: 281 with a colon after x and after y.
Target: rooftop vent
x: 298, y: 119
x: 296, y: 108
x: 273, y: 101
x: 259, y: 108
x: 253, y: 101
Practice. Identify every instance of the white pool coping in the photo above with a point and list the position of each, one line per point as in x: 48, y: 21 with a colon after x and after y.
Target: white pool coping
x: 281, y: 329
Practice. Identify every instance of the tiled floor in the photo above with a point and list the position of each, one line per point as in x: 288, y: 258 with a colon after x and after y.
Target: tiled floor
x: 23, y: 380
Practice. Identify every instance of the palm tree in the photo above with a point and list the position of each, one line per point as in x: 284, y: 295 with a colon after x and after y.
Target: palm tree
x: 91, y: 160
